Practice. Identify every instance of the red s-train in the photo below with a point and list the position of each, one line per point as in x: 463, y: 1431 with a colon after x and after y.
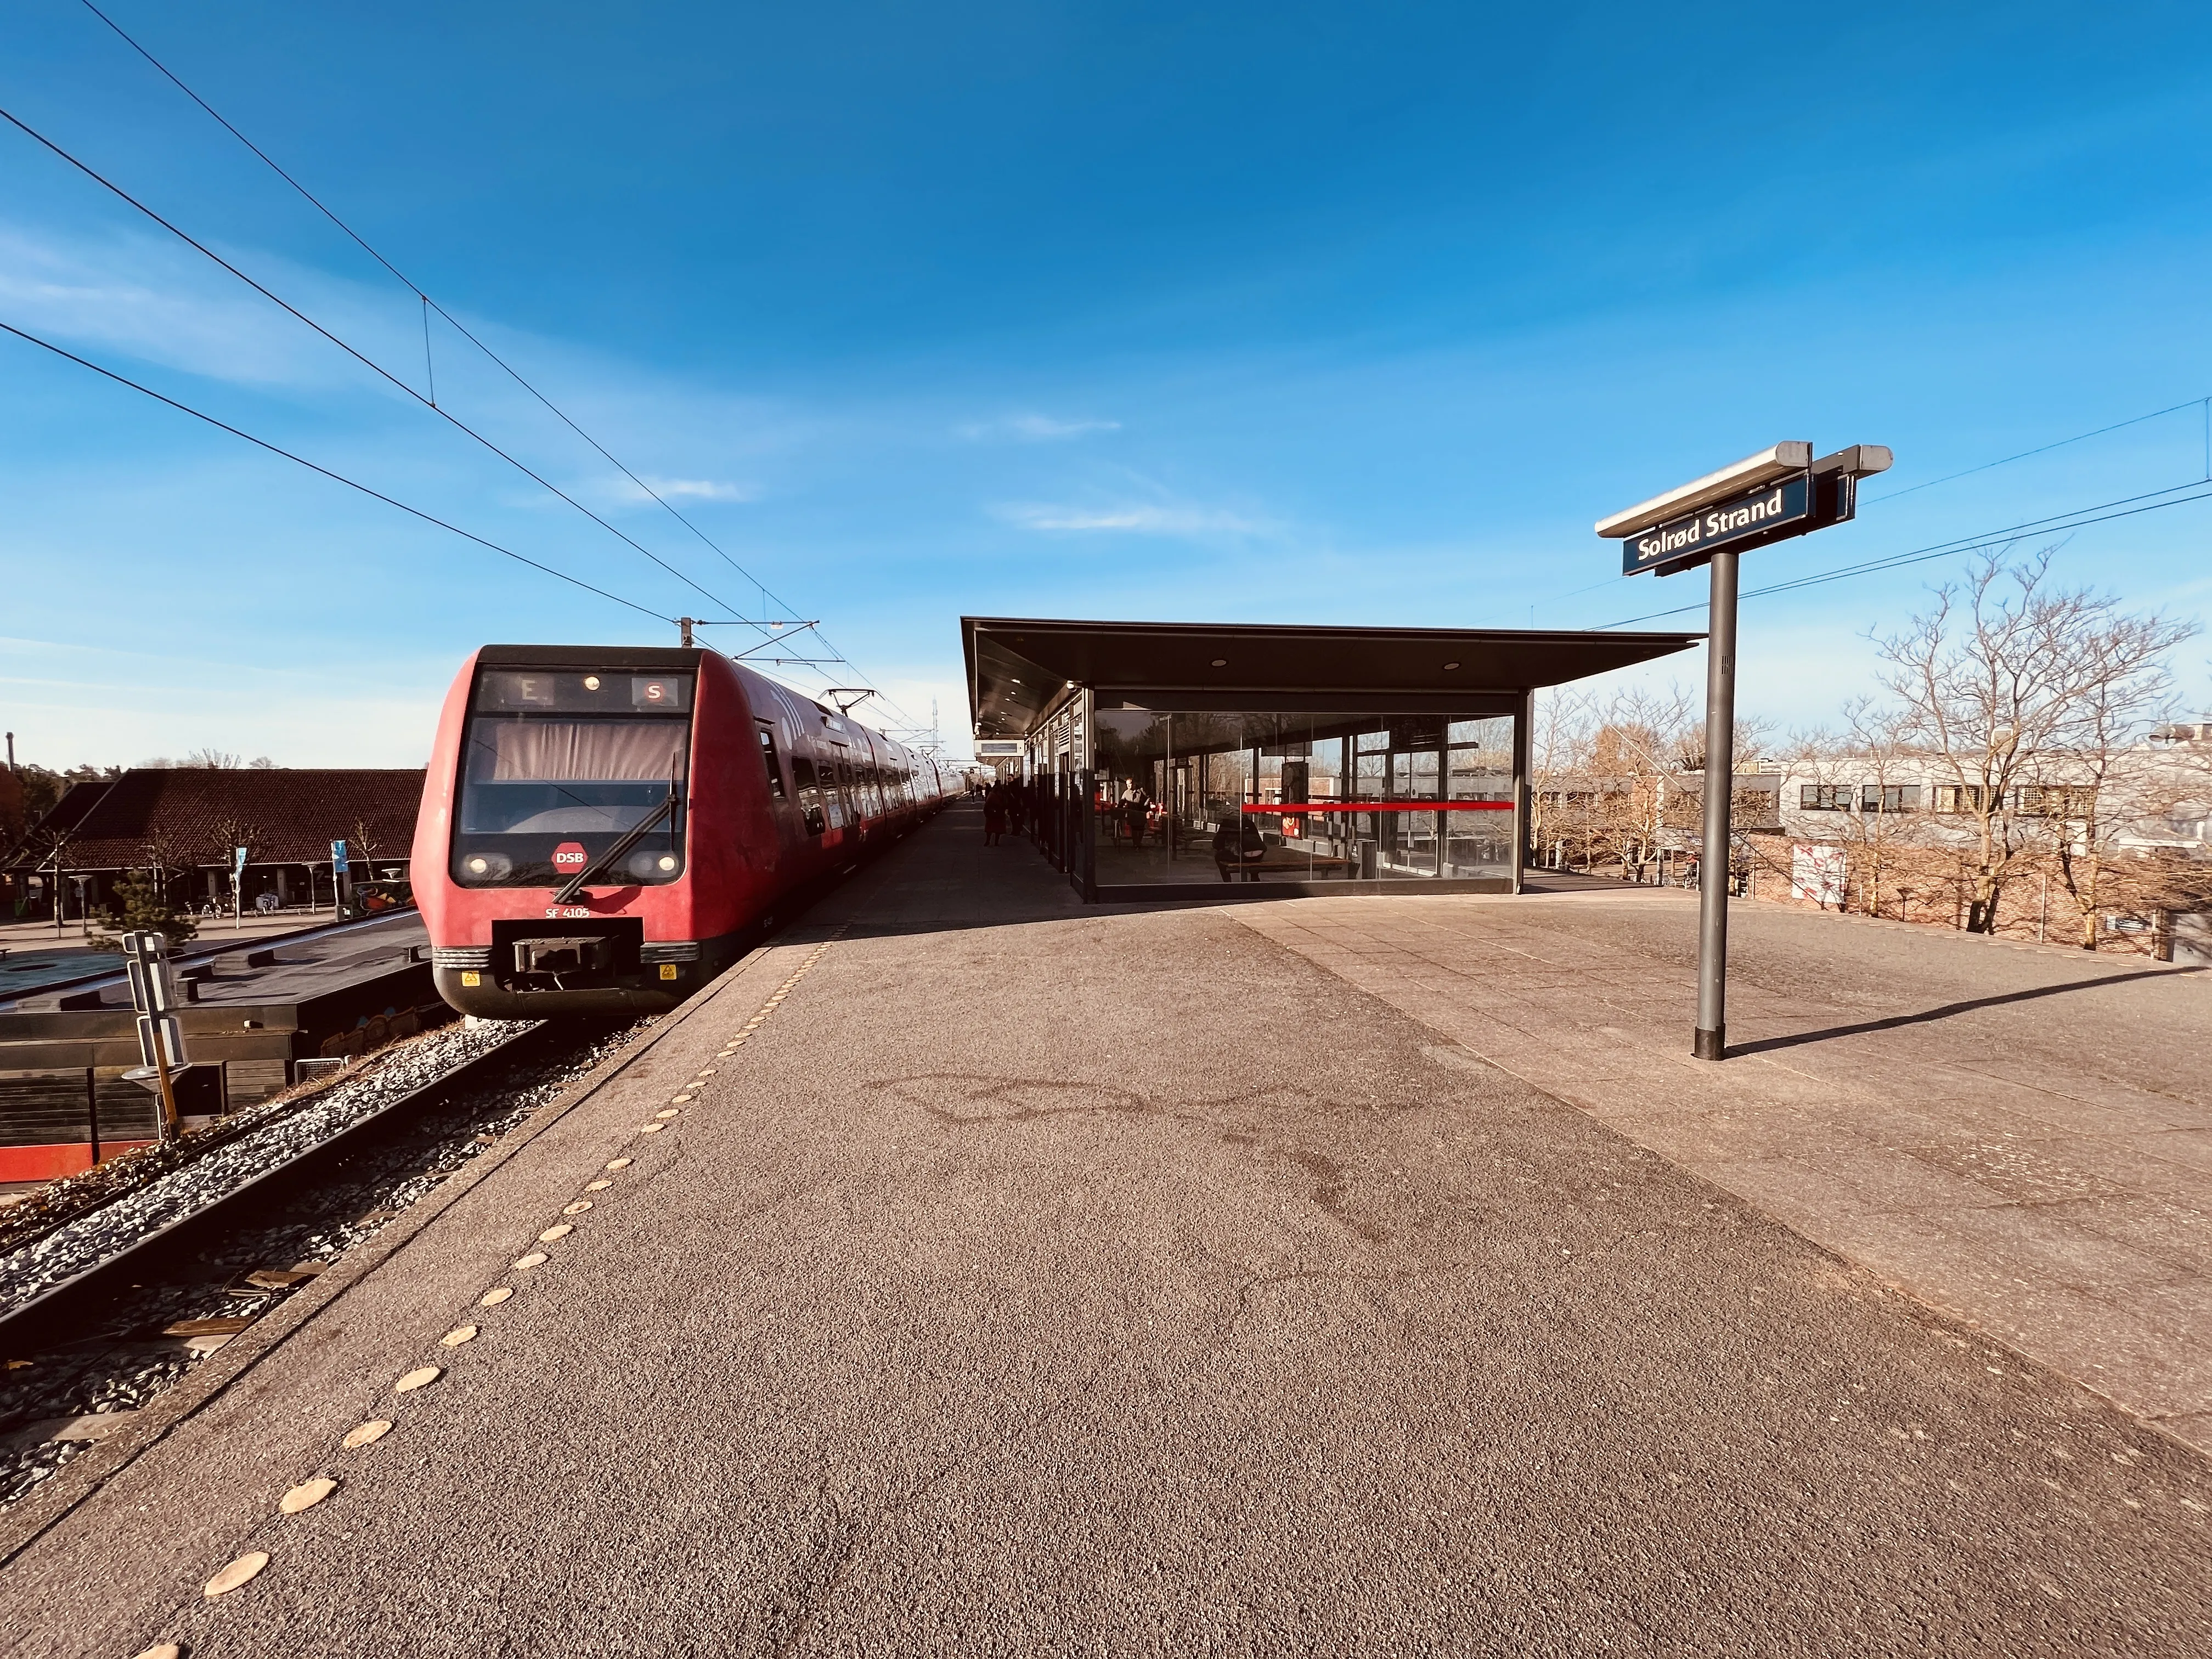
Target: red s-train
x: 603, y: 828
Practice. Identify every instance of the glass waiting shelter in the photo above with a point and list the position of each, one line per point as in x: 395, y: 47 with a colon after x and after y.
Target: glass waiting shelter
x: 1167, y: 756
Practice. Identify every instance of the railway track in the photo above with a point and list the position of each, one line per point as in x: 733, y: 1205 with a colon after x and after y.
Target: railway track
x: 106, y: 1310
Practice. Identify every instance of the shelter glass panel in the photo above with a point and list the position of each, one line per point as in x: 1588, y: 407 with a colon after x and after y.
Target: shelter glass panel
x: 1247, y: 797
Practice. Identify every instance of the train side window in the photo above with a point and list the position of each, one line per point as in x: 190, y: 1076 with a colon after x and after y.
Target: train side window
x: 768, y: 759
x: 809, y: 796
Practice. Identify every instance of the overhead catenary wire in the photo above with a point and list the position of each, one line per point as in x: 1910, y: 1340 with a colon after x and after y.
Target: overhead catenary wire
x: 768, y: 597
x: 336, y: 478
x: 361, y: 357
x: 1865, y: 501
x: 2079, y: 519
x: 2204, y: 403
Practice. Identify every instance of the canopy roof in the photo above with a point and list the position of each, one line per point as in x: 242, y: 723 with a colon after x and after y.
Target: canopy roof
x: 1019, y: 669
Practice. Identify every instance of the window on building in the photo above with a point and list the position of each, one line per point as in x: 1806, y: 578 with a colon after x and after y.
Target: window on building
x: 1958, y: 797
x: 1824, y: 797
x: 1889, y: 798
x: 2057, y: 800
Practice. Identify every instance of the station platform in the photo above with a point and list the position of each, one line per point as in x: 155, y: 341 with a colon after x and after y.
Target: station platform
x: 1020, y: 1278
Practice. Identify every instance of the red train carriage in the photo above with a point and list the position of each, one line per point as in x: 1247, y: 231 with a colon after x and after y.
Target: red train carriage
x: 604, y: 828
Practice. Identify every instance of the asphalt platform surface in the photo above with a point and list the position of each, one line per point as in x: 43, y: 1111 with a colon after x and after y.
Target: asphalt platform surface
x: 1038, y: 1280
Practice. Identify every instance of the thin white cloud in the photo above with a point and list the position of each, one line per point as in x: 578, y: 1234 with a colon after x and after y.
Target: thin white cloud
x: 162, y: 304
x: 1031, y: 429
x: 1130, y: 518
x: 700, y: 489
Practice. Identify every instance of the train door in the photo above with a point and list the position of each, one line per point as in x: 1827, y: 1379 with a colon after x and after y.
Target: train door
x: 778, y: 792
x: 837, y: 765
x: 807, y: 784
x: 870, y: 763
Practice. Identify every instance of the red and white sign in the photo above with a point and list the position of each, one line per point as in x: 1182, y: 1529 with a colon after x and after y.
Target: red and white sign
x: 570, y: 855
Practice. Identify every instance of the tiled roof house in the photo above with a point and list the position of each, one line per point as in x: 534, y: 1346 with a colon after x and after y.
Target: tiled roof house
x: 188, y: 818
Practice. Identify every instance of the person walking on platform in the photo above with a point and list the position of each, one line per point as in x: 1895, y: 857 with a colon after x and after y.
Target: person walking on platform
x: 1134, y: 808
x: 994, y: 815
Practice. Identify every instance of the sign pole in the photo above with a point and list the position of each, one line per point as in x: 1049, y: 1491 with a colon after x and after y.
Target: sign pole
x: 1777, y: 494
x: 1715, y: 857
x: 161, y: 1040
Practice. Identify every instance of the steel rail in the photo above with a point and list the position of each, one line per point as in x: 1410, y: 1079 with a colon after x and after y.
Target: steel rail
x: 33, y: 1324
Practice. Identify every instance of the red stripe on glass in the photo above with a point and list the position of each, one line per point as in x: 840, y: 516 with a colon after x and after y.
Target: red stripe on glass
x: 1302, y: 807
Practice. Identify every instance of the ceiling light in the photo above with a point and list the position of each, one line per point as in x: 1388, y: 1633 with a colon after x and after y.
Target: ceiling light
x: 1451, y: 664
x: 1221, y: 662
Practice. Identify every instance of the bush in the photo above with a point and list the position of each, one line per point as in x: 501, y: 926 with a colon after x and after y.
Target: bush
x: 144, y: 908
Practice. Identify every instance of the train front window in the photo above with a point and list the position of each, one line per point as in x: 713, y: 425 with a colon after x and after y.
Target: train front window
x: 557, y: 766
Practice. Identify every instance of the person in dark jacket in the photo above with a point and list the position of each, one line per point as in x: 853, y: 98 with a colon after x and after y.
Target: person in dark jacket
x: 1135, y: 806
x: 994, y: 814
x: 1238, y: 845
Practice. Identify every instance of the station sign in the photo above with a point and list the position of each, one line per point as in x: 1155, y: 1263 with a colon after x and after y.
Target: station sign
x: 1767, y: 513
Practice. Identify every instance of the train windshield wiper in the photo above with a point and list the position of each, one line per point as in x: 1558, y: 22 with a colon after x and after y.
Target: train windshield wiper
x: 628, y: 839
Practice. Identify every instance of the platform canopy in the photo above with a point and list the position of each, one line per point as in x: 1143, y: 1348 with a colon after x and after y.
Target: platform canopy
x: 1020, y: 669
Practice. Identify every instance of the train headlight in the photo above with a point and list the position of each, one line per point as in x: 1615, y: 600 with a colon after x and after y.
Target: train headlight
x: 668, y: 861
x: 479, y: 865
x: 486, y: 867
x: 591, y: 682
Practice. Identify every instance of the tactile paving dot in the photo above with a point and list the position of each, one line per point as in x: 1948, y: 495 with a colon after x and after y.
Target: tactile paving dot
x: 535, y: 1259
x: 618, y: 1163
x: 558, y: 1230
x: 239, y: 1571
x: 494, y: 1296
x: 421, y: 1377
x: 307, y: 1494
x: 369, y: 1432
x: 671, y: 1111
x: 577, y: 1208
x: 458, y: 1334
x: 599, y: 1186
x: 651, y: 1128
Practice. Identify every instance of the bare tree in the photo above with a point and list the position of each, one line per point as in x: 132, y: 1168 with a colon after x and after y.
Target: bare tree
x: 1643, y: 742
x: 1558, y: 752
x: 164, y: 856
x: 2104, y: 784
x: 226, y: 834
x: 219, y: 760
x: 2001, y: 674
x: 1888, y: 825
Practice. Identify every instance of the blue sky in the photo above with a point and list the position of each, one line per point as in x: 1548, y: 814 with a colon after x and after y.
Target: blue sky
x: 1340, y: 314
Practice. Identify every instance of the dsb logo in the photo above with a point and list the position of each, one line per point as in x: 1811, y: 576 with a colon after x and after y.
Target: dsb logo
x: 570, y: 855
